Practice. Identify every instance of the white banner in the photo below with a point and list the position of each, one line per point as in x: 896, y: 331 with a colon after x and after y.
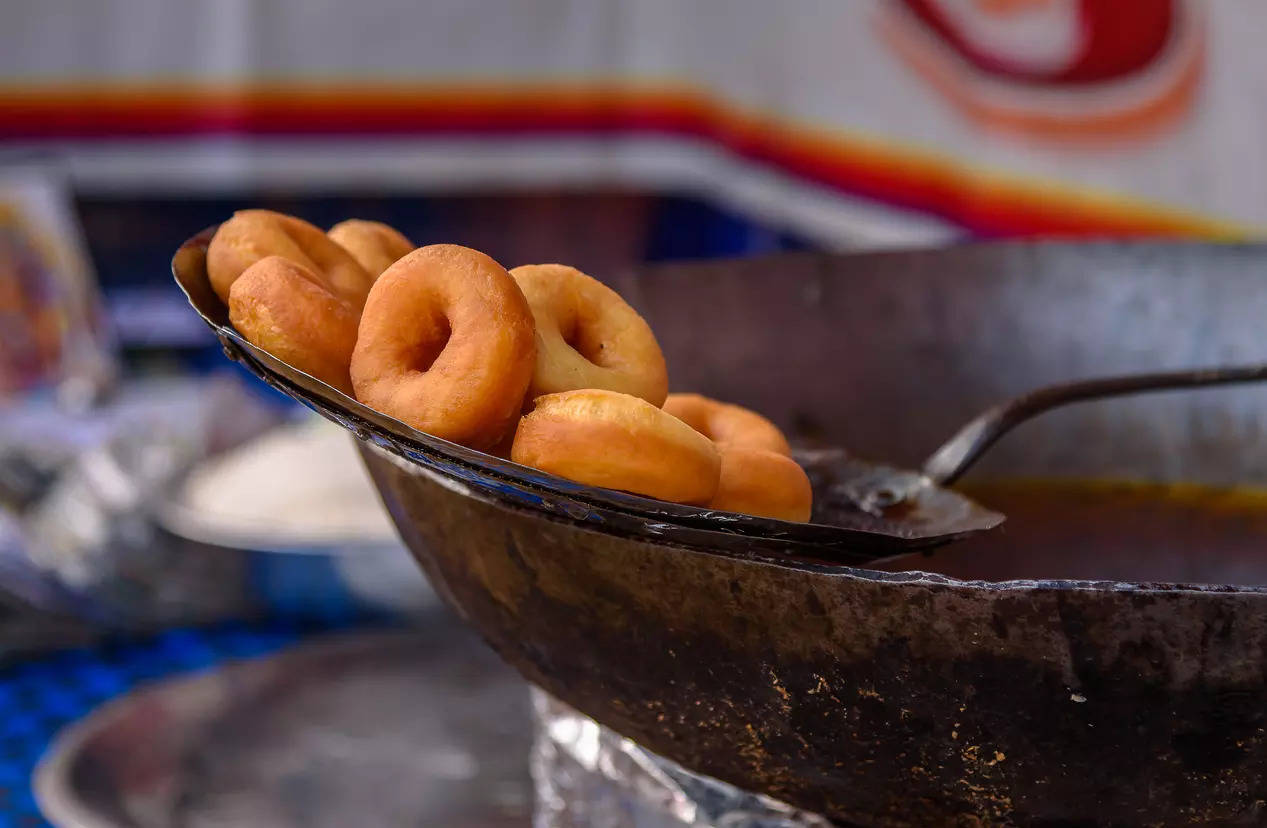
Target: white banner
x: 884, y: 120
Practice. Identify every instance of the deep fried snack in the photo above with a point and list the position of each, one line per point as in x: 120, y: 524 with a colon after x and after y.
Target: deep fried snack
x: 251, y: 235
x: 618, y: 441
x: 286, y: 309
x: 446, y: 345
x: 758, y: 482
x: 588, y: 337
x: 726, y: 424
x: 374, y: 245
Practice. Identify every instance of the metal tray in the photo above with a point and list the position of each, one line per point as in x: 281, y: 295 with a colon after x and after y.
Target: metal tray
x: 365, y: 729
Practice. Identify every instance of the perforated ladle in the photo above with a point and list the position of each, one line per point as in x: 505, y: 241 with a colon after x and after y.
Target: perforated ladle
x: 877, y: 489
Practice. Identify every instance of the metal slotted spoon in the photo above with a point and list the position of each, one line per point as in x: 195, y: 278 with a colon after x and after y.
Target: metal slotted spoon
x: 877, y: 490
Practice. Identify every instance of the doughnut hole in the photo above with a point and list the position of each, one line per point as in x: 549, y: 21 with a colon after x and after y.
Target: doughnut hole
x: 431, y: 344
x: 589, y: 337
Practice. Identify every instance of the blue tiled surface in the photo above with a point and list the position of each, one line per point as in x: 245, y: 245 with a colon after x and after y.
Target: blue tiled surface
x: 39, y: 697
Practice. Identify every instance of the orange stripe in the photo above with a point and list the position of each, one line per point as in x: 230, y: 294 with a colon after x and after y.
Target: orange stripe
x: 985, y: 201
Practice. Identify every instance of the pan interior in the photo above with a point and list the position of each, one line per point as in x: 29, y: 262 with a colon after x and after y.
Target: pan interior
x: 1118, y: 530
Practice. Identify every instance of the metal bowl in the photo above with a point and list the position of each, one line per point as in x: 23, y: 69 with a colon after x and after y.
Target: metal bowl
x: 287, y: 740
x: 880, y: 697
x: 290, y: 565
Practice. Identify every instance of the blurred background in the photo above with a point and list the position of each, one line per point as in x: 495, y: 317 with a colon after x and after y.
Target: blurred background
x: 160, y: 511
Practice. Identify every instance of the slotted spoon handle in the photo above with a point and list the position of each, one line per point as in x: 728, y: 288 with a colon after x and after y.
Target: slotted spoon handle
x: 957, y: 454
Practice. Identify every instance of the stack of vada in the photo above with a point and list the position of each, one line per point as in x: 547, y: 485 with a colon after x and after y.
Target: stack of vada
x: 541, y: 363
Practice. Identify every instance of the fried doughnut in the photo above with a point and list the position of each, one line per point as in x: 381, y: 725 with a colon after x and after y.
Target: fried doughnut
x: 376, y: 246
x: 618, y: 441
x: 251, y: 235
x: 588, y: 337
x: 286, y: 309
x: 756, y: 481
x: 726, y: 424
x: 446, y: 345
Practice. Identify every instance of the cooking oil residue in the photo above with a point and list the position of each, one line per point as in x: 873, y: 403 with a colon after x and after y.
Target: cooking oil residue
x: 1112, y: 530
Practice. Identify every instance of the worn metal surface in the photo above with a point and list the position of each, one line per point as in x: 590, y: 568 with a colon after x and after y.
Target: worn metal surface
x: 887, y: 354
x: 420, y: 728
x: 904, y: 698
x: 875, y: 699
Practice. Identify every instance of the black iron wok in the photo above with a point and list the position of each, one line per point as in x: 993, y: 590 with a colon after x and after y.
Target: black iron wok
x: 899, y: 697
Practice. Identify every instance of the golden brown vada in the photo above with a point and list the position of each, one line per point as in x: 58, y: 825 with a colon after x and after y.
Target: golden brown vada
x: 618, y: 441
x: 589, y: 337
x: 446, y: 345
